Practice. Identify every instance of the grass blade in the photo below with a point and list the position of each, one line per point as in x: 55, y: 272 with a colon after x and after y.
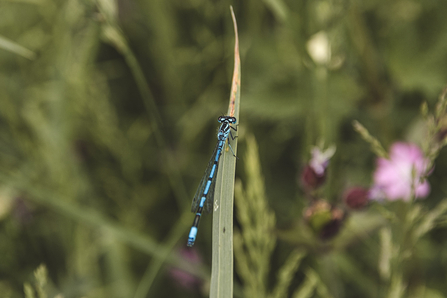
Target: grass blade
x: 222, y: 260
x: 13, y: 47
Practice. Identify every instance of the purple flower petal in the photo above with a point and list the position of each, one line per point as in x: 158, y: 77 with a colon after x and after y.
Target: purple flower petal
x: 320, y: 159
x: 397, y: 177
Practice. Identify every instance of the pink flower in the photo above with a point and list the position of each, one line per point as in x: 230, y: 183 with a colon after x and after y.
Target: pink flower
x: 186, y: 279
x: 400, y: 175
x: 320, y: 159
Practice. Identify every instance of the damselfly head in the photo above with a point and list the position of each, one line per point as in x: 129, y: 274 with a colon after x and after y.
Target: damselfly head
x: 228, y: 119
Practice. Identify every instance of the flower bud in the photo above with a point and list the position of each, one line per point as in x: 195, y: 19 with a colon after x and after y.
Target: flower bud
x: 356, y: 198
x: 310, y: 179
x: 324, y: 219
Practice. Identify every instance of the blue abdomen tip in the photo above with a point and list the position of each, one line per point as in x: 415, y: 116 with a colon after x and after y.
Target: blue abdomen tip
x: 192, y: 236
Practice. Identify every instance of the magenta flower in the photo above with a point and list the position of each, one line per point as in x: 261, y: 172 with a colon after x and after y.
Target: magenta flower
x: 183, y: 278
x: 400, y: 176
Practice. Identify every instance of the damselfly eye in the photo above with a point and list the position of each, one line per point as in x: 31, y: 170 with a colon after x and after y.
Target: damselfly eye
x: 227, y: 118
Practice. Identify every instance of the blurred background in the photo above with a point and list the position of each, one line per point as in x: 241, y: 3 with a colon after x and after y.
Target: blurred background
x: 108, y: 117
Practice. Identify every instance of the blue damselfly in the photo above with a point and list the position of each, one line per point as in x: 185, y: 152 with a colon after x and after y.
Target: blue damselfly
x: 204, y: 196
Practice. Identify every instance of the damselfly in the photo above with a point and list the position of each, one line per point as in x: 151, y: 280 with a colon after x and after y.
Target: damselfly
x: 204, y: 196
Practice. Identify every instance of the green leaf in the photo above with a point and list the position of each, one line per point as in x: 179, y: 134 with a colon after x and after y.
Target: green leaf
x: 222, y: 259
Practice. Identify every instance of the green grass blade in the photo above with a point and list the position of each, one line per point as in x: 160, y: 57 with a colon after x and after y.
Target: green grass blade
x: 222, y: 260
x: 15, y: 48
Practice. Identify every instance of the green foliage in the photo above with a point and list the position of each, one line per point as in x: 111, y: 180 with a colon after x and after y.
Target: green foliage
x: 254, y: 244
x: 40, y: 276
x: 376, y: 147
